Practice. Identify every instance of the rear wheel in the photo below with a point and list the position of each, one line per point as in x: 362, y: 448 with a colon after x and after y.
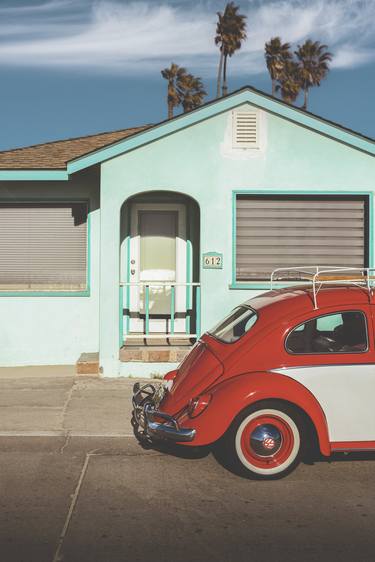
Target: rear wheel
x: 265, y: 440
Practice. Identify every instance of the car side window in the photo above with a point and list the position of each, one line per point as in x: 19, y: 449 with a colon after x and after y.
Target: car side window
x: 344, y: 332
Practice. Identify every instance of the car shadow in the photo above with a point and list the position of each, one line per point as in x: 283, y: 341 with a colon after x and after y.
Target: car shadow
x: 311, y: 457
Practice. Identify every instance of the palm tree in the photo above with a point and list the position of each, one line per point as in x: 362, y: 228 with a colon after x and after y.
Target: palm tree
x: 230, y: 33
x: 174, y: 74
x: 276, y: 53
x: 191, y: 91
x: 289, y: 81
x: 313, y: 59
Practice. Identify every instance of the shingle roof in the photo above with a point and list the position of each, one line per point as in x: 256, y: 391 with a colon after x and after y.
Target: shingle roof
x: 55, y: 155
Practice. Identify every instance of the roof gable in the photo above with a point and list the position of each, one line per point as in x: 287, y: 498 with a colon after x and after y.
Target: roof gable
x: 245, y: 95
x: 72, y: 155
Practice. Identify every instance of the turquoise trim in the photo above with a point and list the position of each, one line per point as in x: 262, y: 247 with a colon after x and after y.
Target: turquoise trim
x: 247, y: 95
x: 88, y: 250
x: 266, y: 284
x: 234, y: 236
x: 188, y: 288
x: 121, y: 316
x: 85, y: 292
x: 147, y: 309
x: 172, y: 308
x: 34, y: 175
x: 371, y: 229
x: 127, y: 318
x: 198, y: 321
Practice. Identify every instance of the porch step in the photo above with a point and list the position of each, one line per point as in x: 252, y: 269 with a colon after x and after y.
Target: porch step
x: 139, y: 340
x: 154, y: 353
x: 88, y: 364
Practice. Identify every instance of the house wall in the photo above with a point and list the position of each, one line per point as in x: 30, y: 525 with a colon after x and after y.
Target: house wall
x: 36, y: 330
x: 198, y: 161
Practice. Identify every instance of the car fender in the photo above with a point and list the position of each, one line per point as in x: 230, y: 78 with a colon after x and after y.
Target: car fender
x: 231, y: 396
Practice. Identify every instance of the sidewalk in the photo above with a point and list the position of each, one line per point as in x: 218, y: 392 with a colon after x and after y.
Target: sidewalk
x: 54, y: 401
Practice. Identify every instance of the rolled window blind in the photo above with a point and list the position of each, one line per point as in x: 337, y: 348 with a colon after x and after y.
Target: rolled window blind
x: 43, y: 246
x: 290, y: 231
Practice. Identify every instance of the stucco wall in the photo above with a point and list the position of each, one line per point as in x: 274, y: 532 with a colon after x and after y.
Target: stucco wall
x: 49, y: 329
x: 198, y: 161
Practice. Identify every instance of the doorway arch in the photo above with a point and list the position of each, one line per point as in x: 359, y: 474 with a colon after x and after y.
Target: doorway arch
x: 159, y: 266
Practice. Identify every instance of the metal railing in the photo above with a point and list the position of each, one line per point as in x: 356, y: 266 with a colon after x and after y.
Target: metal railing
x: 192, y: 307
x: 319, y: 276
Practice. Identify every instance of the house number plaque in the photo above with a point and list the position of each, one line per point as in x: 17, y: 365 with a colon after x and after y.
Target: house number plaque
x: 212, y: 260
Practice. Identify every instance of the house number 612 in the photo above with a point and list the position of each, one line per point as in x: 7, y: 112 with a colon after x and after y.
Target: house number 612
x: 212, y: 260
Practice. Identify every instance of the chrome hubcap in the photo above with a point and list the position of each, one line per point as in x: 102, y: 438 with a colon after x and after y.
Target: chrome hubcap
x: 265, y: 440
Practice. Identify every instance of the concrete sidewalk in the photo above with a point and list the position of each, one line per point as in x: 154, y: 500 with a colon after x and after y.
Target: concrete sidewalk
x: 54, y: 401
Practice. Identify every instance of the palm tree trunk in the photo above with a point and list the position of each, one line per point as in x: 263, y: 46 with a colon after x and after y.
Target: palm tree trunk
x: 273, y: 87
x: 219, y: 73
x: 225, y: 86
x: 170, y: 111
x: 305, y: 97
x: 169, y: 102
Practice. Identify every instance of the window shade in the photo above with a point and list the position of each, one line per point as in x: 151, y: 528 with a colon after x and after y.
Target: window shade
x: 43, y: 246
x: 290, y: 231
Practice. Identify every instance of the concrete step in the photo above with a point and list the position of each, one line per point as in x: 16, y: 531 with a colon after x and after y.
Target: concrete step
x: 88, y: 364
x: 140, y: 340
x: 154, y: 354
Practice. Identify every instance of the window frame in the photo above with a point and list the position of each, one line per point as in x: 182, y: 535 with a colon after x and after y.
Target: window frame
x: 224, y: 342
x: 368, y: 197
x: 329, y: 353
x: 56, y: 292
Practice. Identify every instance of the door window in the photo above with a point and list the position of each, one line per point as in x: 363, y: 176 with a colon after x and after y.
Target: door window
x: 343, y: 332
x: 158, y: 232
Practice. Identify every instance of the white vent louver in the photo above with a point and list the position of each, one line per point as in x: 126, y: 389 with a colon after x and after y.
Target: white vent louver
x: 245, y: 129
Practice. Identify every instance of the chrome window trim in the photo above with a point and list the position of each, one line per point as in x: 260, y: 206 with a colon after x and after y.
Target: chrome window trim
x: 240, y: 338
x: 328, y: 352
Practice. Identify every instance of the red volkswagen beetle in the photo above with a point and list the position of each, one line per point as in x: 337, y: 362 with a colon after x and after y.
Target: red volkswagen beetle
x: 286, y: 368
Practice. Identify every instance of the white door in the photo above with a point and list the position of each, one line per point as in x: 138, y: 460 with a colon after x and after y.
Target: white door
x: 158, y: 259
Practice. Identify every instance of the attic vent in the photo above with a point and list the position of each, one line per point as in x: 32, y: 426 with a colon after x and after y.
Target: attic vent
x: 245, y: 129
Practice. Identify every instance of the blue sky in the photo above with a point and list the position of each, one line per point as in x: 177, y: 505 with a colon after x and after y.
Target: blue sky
x: 76, y: 67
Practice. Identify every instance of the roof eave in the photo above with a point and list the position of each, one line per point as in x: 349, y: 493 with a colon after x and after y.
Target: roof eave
x: 34, y: 175
x: 246, y: 95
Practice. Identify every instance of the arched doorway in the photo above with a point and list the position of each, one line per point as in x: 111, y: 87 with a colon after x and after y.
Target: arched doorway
x: 160, y: 268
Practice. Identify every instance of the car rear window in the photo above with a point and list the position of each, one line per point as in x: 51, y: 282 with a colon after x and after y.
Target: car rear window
x: 342, y: 332
x: 235, y: 325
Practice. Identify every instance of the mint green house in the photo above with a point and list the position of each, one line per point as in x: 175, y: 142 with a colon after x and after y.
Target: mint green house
x: 128, y: 245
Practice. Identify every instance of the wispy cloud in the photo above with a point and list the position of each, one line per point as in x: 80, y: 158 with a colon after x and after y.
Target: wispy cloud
x: 143, y: 36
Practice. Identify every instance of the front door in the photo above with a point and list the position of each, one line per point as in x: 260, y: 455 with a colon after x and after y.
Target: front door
x: 158, y: 261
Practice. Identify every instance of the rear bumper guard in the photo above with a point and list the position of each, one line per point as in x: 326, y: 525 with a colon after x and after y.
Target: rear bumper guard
x: 146, y: 400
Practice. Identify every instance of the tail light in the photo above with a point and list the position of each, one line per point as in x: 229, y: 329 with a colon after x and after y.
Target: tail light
x: 198, y: 405
x: 171, y: 375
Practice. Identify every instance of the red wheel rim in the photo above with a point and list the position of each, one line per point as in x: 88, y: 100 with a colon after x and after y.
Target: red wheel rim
x: 273, y: 453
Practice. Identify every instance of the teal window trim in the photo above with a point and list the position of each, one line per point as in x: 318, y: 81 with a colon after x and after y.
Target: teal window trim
x: 48, y: 293
x: 261, y: 285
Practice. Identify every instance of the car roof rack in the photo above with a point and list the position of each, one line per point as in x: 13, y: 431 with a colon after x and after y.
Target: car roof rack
x: 319, y: 276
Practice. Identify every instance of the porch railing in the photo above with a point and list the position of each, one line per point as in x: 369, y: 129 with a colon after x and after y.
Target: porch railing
x: 193, y: 309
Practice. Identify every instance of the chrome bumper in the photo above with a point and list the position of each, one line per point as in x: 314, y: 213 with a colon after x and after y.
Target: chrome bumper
x: 146, y: 400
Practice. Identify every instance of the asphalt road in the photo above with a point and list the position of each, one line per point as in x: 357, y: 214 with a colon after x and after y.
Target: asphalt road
x: 108, y: 500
